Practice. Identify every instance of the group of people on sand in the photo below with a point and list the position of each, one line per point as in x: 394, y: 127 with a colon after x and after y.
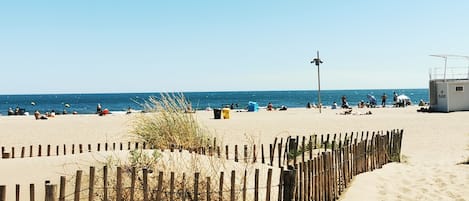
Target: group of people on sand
x: 17, y: 111
x: 48, y: 115
x: 270, y: 107
x: 349, y: 111
x: 40, y: 116
x: 371, y: 103
x: 312, y: 105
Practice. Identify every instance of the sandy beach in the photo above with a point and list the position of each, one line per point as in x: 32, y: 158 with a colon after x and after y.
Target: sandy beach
x: 432, y: 147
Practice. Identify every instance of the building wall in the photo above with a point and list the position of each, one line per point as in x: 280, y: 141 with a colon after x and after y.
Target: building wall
x: 442, y: 97
x: 458, y: 95
x: 452, y: 95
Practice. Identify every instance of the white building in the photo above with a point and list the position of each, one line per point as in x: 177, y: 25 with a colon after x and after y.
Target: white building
x: 449, y: 87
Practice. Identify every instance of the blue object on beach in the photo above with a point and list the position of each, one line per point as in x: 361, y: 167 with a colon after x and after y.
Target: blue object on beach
x: 253, y: 106
x: 372, y: 99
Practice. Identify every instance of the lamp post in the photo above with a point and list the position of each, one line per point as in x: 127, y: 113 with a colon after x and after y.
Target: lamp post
x: 316, y: 62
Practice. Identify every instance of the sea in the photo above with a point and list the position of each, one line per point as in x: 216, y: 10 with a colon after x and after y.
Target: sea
x: 121, y: 102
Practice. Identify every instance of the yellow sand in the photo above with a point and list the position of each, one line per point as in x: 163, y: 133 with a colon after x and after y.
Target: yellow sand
x: 433, y: 144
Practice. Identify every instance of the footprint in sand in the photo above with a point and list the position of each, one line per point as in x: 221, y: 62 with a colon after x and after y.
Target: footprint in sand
x: 439, y: 182
x: 405, y: 190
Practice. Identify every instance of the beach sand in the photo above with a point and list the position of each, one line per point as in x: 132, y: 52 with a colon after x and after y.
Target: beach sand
x: 432, y: 147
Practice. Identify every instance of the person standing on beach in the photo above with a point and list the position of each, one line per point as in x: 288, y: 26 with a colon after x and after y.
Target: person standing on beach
x: 344, y: 102
x: 383, y: 100
x: 98, y: 109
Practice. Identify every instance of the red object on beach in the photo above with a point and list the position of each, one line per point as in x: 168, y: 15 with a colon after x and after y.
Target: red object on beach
x: 105, y: 111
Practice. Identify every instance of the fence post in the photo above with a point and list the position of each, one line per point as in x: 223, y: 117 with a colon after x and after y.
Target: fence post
x: 288, y: 184
x: 145, y: 184
x: 133, y: 178
x: 269, y: 184
x: 171, y: 186
x: 105, y: 183
x: 78, y: 185
x: 256, y: 185
x: 220, y: 186
x: 3, y: 193
x: 119, y: 184
x: 233, y: 190
x: 196, y: 186
x: 31, y: 192
x: 17, y: 192
x: 400, y: 144
x: 51, y: 192
x: 245, y: 153
x: 245, y: 184
x: 160, y: 186
x: 91, y: 183
x: 62, y: 188
x: 236, y: 153
x: 280, y: 185
x: 183, y: 184
x: 292, y: 149
x: 208, y: 190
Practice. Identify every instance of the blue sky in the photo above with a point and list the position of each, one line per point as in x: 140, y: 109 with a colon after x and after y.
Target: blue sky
x: 150, y: 46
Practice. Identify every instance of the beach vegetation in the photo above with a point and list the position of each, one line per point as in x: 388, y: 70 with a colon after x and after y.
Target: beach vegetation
x: 183, y: 165
x: 169, y: 120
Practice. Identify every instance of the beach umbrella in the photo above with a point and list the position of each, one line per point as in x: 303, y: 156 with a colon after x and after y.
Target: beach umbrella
x: 371, y: 98
x: 403, y: 98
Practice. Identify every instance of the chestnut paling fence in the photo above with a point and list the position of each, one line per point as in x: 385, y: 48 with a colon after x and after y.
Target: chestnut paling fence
x: 316, y: 167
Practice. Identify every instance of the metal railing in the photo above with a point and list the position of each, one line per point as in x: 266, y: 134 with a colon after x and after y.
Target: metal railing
x: 452, y: 73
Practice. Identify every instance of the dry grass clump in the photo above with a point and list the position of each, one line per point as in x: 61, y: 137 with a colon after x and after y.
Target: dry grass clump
x: 170, y: 121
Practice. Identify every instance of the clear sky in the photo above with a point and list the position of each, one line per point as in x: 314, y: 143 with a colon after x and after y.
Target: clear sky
x: 151, y: 46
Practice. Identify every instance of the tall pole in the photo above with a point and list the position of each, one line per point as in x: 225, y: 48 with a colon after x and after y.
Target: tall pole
x: 317, y: 62
x: 444, y: 75
x: 319, y: 86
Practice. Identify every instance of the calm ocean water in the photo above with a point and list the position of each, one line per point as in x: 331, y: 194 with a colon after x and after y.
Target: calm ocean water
x: 86, y: 103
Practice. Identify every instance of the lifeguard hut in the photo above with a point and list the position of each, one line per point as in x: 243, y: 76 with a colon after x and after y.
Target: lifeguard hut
x: 449, y: 86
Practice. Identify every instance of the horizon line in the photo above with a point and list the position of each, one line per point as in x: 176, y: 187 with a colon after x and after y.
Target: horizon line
x: 195, y: 91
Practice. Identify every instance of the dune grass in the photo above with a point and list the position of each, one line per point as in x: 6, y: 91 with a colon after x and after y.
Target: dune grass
x: 168, y: 122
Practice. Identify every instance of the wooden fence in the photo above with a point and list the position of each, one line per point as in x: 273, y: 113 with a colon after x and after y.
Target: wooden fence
x: 298, y: 168
x: 62, y: 150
